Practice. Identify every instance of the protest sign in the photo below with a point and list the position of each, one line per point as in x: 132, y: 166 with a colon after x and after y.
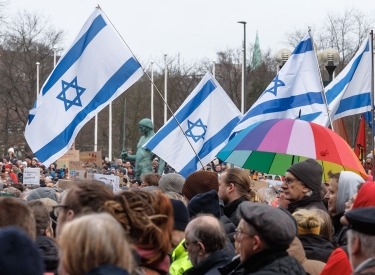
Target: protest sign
x: 71, y: 155
x: 259, y: 184
x: 65, y: 184
x: 31, y: 176
x: 76, y: 165
x: 91, y: 158
x: 112, y: 180
x: 76, y: 175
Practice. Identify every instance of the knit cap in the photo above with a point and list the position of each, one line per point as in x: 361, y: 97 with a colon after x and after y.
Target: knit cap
x: 11, y: 150
x: 200, y: 182
x: 365, y: 196
x: 171, y: 183
x: 18, y: 254
x: 180, y: 215
x: 42, y: 192
x: 309, y: 172
x: 207, y: 203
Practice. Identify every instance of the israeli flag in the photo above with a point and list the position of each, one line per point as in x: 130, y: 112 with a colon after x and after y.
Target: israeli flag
x: 94, y: 70
x: 297, y: 87
x: 207, y: 117
x: 350, y: 92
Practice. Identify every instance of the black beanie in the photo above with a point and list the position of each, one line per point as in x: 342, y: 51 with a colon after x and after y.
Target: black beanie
x: 180, y: 214
x: 207, y: 203
x: 309, y: 172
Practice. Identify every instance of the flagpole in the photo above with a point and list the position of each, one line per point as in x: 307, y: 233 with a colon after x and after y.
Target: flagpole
x: 37, y: 79
x: 165, y: 87
x: 152, y: 92
x: 372, y: 97
x: 213, y: 68
x: 110, y: 133
x: 96, y: 133
x: 321, y: 82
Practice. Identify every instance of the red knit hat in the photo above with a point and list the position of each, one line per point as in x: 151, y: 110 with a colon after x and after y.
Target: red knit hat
x: 200, y: 182
x: 366, y: 196
x: 8, y: 166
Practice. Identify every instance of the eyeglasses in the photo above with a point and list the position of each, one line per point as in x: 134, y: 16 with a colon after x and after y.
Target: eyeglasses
x: 351, y: 200
x: 56, y: 209
x: 289, y: 181
x: 238, y: 233
x: 185, y: 244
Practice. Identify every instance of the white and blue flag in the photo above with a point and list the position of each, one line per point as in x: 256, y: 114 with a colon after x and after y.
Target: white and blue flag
x: 350, y: 92
x: 207, y: 118
x: 94, y: 70
x: 297, y: 87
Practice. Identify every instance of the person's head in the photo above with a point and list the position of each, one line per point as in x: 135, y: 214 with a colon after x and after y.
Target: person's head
x: 199, y: 182
x: 150, y: 180
x: 8, y: 167
x: 218, y: 168
x: 262, y: 226
x: 171, y: 183
x: 267, y: 194
x: 146, y: 218
x: 207, y: 203
x: 42, y: 218
x: 361, y: 235
x: 181, y: 219
x: 83, y: 197
x: 326, y: 228
x: 283, y: 202
x: 14, y: 212
x: 18, y: 253
x: 341, y: 187
x: 204, y: 236
x: 145, y: 125
x: 91, y: 241
x: 235, y: 183
x: 11, y: 152
x: 302, y: 179
x: 308, y: 222
x: 28, y: 159
x: 11, y: 190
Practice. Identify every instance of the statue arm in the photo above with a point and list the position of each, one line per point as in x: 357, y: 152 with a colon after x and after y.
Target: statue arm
x: 125, y: 156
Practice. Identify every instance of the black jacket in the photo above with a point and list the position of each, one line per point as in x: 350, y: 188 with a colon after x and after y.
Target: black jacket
x: 316, y: 247
x: 231, y: 268
x: 314, y: 201
x: 231, y: 208
x: 108, y: 270
x: 339, y: 238
x: 210, y: 265
x: 49, y: 252
x: 272, y: 262
x: 228, y: 227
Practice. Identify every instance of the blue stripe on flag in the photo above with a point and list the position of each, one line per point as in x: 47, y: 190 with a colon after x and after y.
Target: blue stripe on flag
x: 283, y: 104
x: 104, y: 94
x: 75, y: 52
x: 208, y: 146
x: 332, y: 93
x: 303, y: 46
x: 310, y: 117
x: 183, y: 114
x: 354, y: 102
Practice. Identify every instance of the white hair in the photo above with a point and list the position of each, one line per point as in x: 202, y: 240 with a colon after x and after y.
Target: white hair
x: 367, y: 242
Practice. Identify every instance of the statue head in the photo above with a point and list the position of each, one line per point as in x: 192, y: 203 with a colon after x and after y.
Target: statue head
x: 146, y: 122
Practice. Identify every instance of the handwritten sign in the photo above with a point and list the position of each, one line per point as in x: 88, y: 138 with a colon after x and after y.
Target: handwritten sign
x: 112, y: 180
x: 91, y: 158
x: 76, y: 165
x: 31, y: 176
x: 76, y: 175
x: 71, y: 155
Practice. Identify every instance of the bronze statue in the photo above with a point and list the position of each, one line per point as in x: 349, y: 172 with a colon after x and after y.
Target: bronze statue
x: 143, y: 156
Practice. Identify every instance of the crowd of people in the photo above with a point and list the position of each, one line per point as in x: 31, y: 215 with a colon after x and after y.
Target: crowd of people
x: 212, y: 222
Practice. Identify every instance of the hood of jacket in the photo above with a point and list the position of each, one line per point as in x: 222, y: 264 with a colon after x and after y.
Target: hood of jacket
x: 346, y: 188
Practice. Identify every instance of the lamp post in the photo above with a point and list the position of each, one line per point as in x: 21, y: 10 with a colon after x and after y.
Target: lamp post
x: 330, y: 58
x: 282, y: 57
x: 152, y: 91
x: 54, y: 56
x: 165, y: 88
x: 37, y: 79
x: 213, y: 68
x: 243, y: 93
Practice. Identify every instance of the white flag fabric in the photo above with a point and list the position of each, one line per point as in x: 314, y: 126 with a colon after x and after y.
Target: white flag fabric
x: 207, y: 118
x: 350, y: 92
x: 94, y: 70
x: 297, y: 87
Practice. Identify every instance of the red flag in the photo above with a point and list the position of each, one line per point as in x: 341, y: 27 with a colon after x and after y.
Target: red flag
x: 360, y: 145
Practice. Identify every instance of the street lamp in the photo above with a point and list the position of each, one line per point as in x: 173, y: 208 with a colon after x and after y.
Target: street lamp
x: 243, y: 94
x: 54, y: 55
x: 282, y: 57
x: 330, y: 59
x: 152, y: 91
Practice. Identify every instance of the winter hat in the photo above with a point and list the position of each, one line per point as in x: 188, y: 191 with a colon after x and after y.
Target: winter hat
x: 200, y: 182
x: 24, y: 163
x: 346, y: 188
x: 273, y: 224
x: 365, y: 196
x: 36, y: 159
x: 171, y: 183
x: 207, y: 203
x: 369, y: 156
x: 18, y: 254
x: 9, y: 166
x: 11, y: 150
x: 42, y: 192
x: 309, y: 172
x: 28, y: 157
x: 180, y: 214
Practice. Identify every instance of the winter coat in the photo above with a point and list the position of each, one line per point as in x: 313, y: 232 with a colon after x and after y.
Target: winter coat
x: 49, y: 252
x: 368, y: 268
x: 108, y: 269
x: 338, y: 264
x: 339, y: 237
x: 180, y: 260
x: 210, y: 265
x: 314, y: 201
x: 312, y: 267
x: 316, y: 247
x: 272, y: 262
x: 229, y: 227
x: 231, y: 208
x: 231, y: 268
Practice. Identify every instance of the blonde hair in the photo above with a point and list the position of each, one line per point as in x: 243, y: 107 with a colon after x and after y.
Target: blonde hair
x: 175, y: 196
x: 326, y: 228
x: 91, y: 241
x: 308, y: 222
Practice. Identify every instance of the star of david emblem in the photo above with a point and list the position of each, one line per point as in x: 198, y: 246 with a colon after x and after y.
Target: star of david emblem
x: 66, y: 98
x: 196, y: 130
x: 278, y: 83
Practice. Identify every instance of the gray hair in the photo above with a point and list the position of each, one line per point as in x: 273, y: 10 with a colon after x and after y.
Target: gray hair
x: 367, y: 242
x: 268, y: 194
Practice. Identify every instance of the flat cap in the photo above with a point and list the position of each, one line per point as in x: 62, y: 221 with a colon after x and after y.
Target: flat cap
x: 275, y: 226
x: 362, y: 220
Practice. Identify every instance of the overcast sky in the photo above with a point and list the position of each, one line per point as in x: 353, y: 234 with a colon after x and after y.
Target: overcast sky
x: 194, y: 28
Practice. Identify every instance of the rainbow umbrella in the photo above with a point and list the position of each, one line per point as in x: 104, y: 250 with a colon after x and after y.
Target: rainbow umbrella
x: 272, y: 146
